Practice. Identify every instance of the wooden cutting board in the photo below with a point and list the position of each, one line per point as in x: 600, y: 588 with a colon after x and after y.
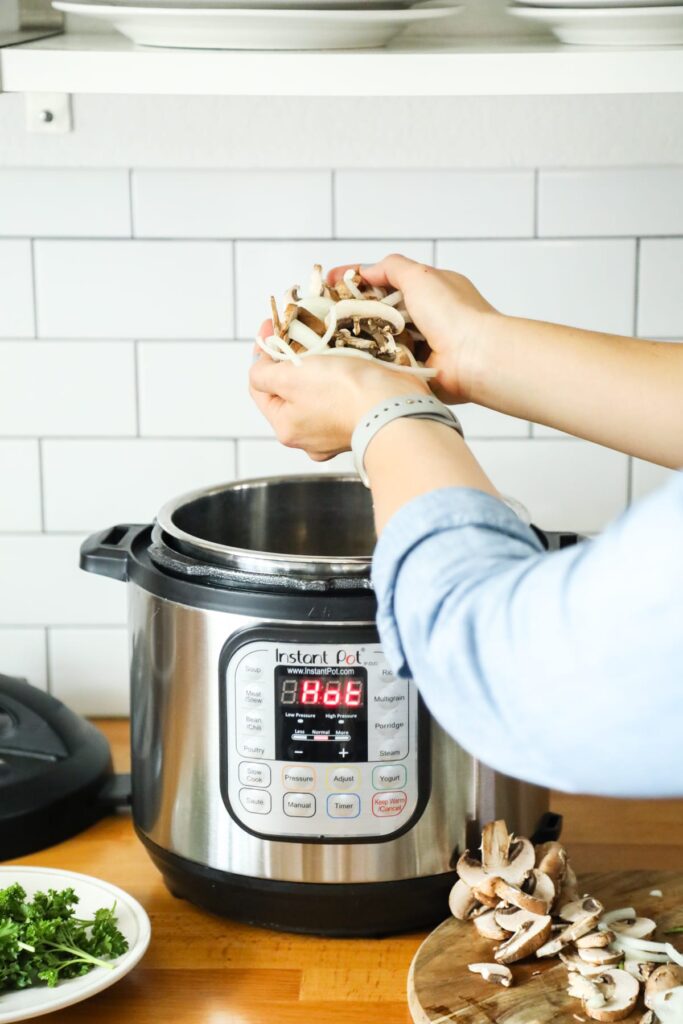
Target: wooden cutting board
x: 442, y: 990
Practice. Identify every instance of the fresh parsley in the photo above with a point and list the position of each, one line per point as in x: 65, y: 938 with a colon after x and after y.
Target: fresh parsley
x: 43, y: 942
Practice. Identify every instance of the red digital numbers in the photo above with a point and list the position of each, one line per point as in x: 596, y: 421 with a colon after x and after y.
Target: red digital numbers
x: 331, y: 693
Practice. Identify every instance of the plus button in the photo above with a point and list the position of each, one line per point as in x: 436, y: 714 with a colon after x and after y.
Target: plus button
x: 343, y: 752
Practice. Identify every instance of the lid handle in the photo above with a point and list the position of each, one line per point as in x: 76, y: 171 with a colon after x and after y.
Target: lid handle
x: 106, y: 553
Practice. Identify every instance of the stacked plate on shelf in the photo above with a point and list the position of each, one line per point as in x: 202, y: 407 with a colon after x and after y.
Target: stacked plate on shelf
x: 606, y: 22
x: 262, y: 24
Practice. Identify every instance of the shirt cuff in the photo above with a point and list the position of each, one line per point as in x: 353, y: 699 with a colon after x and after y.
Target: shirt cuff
x: 448, y: 509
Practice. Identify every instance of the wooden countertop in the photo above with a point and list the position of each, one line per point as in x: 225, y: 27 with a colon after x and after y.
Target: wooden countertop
x: 200, y: 969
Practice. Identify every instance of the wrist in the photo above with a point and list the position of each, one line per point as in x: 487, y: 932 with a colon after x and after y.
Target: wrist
x: 482, y: 354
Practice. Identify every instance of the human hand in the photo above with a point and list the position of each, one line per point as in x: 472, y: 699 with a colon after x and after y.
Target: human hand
x: 449, y: 312
x: 316, y: 405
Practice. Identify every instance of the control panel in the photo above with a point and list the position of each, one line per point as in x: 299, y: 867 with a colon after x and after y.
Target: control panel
x: 320, y: 740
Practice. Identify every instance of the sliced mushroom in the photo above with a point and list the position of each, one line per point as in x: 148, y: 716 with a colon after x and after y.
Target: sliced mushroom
x: 639, y: 970
x: 595, y: 940
x: 311, y: 321
x: 569, y: 890
x: 497, y: 973
x: 586, y: 990
x: 512, y: 918
x: 648, y: 1018
x: 580, y: 926
x: 462, y: 902
x: 665, y: 977
x: 473, y: 874
x: 518, y: 898
x: 573, y: 962
x: 505, y: 856
x: 605, y: 957
x: 487, y: 927
x: 639, y: 928
x: 551, y: 858
x: 621, y: 991
x: 579, y: 908
x: 540, y: 885
x: 526, y: 940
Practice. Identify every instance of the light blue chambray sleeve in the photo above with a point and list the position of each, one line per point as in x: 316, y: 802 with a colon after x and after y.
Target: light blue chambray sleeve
x: 564, y: 669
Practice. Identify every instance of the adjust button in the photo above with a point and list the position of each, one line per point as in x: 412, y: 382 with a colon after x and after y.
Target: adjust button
x: 343, y: 805
x: 387, y: 805
x: 299, y: 805
x: 257, y: 801
x: 343, y: 777
x: 298, y: 776
x: 389, y: 776
x: 253, y: 774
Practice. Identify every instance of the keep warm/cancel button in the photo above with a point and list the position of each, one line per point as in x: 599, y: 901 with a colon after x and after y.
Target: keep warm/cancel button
x: 386, y: 805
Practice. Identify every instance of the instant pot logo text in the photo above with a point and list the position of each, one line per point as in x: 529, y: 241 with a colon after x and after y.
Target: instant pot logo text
x: 341, y: 657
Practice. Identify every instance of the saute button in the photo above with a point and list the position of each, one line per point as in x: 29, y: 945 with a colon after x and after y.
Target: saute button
x: 252, y: 774
x: 389, y: 776
x: 257, y: 801
x: 298, y: 776
x: 386, y: 805
x: 343, y: 777
x: 299, y: 805
x: 343, y: 805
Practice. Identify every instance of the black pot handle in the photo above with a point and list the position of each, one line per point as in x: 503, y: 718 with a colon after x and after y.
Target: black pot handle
x: 106, y: 553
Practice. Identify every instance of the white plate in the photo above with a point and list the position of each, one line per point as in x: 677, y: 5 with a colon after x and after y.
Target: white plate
x: 238, y: 29
x: 609, y: 26
x: 94, y: 893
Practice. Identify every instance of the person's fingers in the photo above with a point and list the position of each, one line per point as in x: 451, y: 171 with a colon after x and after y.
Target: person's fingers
x: 391, y: 272
x: 337, y: 273
x: 266, y: 329
x: 270, y: 377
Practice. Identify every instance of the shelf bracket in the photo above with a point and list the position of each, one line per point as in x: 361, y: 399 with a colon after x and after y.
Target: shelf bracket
x: 49, y: 113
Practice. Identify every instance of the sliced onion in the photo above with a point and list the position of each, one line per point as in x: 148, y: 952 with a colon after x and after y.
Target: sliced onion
x: 277, y: 349
x: 417, y: 371
x: 674, y: 954
x: 623, y: 914
x: 303, y: 334
x: 315, y: 283
x: 393, y: 299
x: 351, y: 284
x: 366, y: 308
x: 318, y: 305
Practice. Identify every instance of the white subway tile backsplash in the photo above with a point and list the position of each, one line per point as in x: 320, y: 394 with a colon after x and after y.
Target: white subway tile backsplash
x: 232, y: 204
x: 89, y: 670
x: 64, y: 202
x: 19, y: 486
x: 137, y: 289
x: 565, y: 485
x: 611, y: 201
x: 198, y: 389
x: 67, y: 387
x: 90, y: 485
x: 434, y: 204
x: 270, y: 268
x: 16, y: 289
x: 22, y: 654
x: 480, y: 422
x: 660, y: 288
x: 270, y: 458
x: 586, y: 284
x: 42, y: 584
x: 648, y: 477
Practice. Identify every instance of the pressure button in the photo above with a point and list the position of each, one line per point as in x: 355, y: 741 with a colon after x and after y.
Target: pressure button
x: 298, y: 776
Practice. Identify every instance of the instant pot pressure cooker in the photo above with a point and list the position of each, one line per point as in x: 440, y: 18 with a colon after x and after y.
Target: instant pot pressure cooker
x: 282, y: 774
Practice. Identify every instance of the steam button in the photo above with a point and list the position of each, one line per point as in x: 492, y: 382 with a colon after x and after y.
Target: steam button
x: 257, y: 801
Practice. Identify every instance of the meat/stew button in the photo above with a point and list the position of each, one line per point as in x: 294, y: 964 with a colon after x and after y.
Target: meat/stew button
x: 386, y: 805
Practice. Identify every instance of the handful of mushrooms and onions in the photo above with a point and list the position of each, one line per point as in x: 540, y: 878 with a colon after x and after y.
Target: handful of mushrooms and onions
x: 350, y: 318
x: 526, y: 899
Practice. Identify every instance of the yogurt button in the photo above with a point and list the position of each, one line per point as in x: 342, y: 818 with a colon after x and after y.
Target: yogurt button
x: 386, y: 805
x: 298, y: 776
x: 343, y: 805
x: 389, y: 776
x: 299, y: 805
x: 254, y: 774
x: 257, y: 801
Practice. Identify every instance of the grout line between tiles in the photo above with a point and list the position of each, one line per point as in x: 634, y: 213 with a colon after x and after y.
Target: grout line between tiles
x: 131, y: 216
x: 48, y: 666
x: 34, y: 289
x: 237, y: 458
x: 235, y: 318
x: 333, y: 201
x: 629, y: 481
x: 636, y: 289
x: 41, y: 484
x: 136, y: 387
x: 536, y: 201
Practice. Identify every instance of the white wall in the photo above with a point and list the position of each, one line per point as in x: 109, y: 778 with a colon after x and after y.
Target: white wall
x: 127, y: 301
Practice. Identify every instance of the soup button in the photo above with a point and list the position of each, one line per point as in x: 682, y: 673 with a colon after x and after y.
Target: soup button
x: 386, y: 805
x: 389, y: 776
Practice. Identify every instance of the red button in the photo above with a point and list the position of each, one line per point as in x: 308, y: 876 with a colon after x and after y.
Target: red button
x: 386, y: 805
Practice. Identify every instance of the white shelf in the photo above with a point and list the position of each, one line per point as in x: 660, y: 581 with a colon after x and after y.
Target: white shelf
x: 110, y: 64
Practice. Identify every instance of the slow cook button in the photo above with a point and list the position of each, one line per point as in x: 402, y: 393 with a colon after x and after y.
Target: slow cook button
x: 299, y: 805
x: 254, y: 746
x: 252, y: 774
x: 257, y: 801
x: 298, y: 776
x: 343, y: 805
x: 344, y: 777
x: 387, y: 805
x: 389, y: 776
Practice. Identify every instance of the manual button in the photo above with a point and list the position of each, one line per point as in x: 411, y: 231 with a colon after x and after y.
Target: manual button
x: 257, y: 801
x: 389, y: 776
x: 343, y: 805
x: 299, y: 805
x: 386, y: 805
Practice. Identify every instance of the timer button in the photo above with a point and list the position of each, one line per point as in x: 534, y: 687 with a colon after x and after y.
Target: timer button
x: 256, y: 801
x: 344, y: 777
x: 252, y: 774
x: 299, y: 805
x: 387, y: 805
x: 343, y: 805
x: 389, y: 776
x: 298, y: 776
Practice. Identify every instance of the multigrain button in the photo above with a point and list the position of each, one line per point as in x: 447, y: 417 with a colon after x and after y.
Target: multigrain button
x: 389, y: 776
x: 389, y: 695
x: 343, y: 805
x: 343, y: 777
x: 299, y: 805
x: 386, y: 805
x: 298, y: 776
x: 257, y: 801
x: 252, y: 774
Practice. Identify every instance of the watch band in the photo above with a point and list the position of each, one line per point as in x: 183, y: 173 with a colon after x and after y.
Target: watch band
x: 424, y: 407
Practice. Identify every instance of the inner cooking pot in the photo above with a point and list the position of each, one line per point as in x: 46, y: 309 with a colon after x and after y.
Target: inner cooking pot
x: 311, y: 525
